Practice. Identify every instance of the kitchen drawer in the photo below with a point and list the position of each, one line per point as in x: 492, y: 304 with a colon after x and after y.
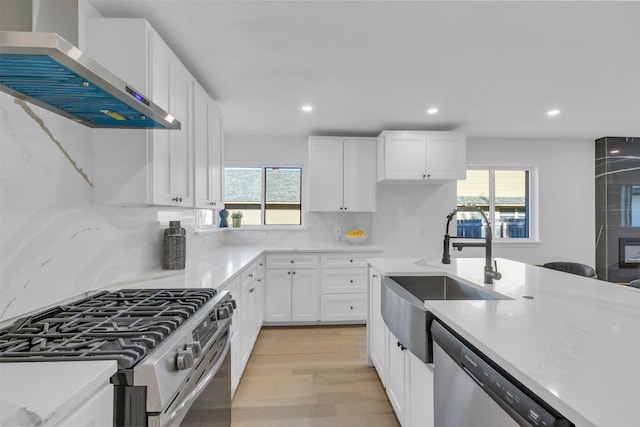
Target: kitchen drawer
x: 251, y: 273
x: 341, y: 307
x: 233, y: 286
x: 298, y: 260
x: 344, y: 280
x: 344, y: 260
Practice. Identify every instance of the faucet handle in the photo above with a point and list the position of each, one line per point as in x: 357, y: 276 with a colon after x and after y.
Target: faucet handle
x: 496, y: 274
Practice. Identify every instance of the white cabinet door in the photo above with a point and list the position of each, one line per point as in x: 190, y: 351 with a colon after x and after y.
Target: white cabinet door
x: 419, y: 399
x: 404, y: 156
x: 359, y: 175
x: 396, y: 378
x: 305, y: 298
x: 378, y: 334
x: 245, y: 328
x: 96, y: 412
x: 180, y: 160
x: 326, y: 175
x: 259, y: 304
x: 207, y: 135
x: 446, y: 155
x: 342, y: 174
x: 216, y: 159
x: 278, y: 296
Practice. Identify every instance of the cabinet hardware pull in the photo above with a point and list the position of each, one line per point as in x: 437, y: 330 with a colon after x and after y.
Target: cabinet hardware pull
x: 177, y: 199
x: 351, y: 307
x: 374, y: 276
x: 288, y: 272
x: 294, y: 272
x: 351, y: 281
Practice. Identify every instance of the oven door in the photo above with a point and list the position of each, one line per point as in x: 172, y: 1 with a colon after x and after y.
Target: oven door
x: 206, y: 397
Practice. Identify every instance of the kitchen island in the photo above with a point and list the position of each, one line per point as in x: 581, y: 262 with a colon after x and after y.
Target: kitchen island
x: 573, y: 341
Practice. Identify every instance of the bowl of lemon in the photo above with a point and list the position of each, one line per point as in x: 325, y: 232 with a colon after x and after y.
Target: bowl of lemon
x: 356, y: 236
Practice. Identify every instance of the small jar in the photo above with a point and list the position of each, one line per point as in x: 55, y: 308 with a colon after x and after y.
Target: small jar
x: 174, y: 247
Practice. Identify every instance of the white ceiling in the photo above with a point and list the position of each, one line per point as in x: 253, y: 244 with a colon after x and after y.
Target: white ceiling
x: 492, y: 68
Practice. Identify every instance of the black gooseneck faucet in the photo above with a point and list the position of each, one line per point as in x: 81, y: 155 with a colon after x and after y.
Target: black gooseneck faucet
x: 489, y: 272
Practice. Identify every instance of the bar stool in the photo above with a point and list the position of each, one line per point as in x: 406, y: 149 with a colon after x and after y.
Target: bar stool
x: 572, y: 267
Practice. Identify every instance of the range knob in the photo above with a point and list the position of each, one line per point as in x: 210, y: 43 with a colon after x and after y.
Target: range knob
x: 184, y: 360
x: 195, y: 349
x: 224, y: 313
x: 230, y: 305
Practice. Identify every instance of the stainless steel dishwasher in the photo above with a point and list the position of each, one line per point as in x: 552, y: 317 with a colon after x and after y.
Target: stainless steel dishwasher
x: 468, y: 391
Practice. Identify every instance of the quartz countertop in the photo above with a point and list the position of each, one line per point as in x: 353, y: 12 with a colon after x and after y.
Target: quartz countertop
x: 575, y: 343
x: 44, y: 393
x: 213, y: 268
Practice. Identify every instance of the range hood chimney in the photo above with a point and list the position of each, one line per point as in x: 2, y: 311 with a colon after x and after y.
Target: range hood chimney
x: 47, y: 70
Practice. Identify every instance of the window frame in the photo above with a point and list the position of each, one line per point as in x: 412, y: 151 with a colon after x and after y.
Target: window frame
x: 532, y: 208
x: 263, y: 203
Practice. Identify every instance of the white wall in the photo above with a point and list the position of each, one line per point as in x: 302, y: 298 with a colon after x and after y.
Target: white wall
x: 566, y: 189
x: 54, y: 244
x: 411, y: 218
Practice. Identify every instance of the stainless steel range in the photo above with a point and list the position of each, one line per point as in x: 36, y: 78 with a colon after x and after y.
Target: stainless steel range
x: 170, y: 344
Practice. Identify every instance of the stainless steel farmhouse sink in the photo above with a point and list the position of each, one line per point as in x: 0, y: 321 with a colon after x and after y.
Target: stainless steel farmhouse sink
x: 403, y: 308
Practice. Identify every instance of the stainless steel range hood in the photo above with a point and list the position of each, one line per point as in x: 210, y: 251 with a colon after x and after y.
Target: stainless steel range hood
x: 46, y: 70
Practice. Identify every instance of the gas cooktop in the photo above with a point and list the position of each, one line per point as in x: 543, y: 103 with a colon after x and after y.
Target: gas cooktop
x: 124, y: 325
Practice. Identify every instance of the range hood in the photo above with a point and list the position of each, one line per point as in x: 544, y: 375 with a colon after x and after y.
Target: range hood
x: 46, y: 70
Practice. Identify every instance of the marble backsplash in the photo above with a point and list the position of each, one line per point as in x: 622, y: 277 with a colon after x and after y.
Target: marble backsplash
x: 54, y: 243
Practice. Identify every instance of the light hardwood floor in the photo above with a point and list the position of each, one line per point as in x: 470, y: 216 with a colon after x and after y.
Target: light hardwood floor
x: 311, y: 376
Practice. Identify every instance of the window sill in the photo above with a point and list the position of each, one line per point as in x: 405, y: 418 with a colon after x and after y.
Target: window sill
x: 511, y: 243
x: 268, y: 228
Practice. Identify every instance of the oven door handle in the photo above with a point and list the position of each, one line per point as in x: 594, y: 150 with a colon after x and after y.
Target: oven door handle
x: 188, y: 400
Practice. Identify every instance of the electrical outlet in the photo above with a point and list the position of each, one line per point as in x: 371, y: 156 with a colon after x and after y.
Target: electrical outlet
x: 338, y: 233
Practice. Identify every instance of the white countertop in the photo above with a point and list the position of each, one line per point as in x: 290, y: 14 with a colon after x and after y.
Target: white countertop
x: 214, y: 268
x: 43, y: 393
x: 576, y: 344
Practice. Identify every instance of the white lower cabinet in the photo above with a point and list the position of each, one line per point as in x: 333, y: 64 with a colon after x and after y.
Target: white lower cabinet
x: 408, y: 380
x: 419, y: 392
x: 378, y: 336
x: 96, y: 412
x: 344, y: 287
x: 247, y: 289
x: 291, y: 289
x: 396, y: 378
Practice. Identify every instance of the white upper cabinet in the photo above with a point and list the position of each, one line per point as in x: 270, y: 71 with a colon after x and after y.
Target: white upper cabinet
x: 421, y: 156
x: 155, y: 167
x: 207, y: 128
x: 342, y: 174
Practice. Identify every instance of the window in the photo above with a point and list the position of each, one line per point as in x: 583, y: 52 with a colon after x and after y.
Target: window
x: 504, y: 194
x: 264, y: 195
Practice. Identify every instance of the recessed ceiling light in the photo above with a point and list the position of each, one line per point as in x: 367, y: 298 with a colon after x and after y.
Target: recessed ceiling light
x: 307, y: 108
x: 432, y: 110
x: 553, y: 112
x: 614, y: 151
